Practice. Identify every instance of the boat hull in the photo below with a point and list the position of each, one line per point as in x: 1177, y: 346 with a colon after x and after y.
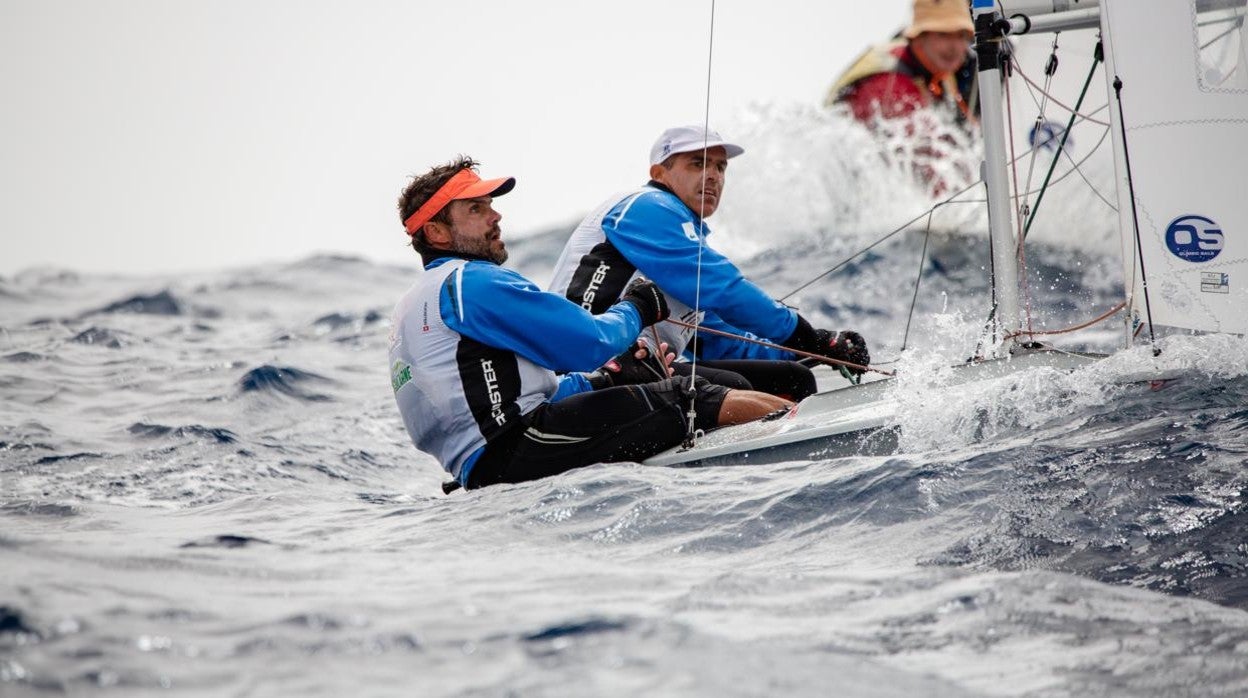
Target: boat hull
x: 848, y: 421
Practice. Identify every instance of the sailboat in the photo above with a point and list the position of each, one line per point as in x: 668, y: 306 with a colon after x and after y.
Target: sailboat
x: 1176, y: 75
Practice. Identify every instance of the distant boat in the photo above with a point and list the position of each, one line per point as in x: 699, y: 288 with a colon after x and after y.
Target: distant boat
x: 1176, y: 76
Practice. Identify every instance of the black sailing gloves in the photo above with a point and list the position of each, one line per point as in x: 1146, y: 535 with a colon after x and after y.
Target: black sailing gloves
x: 627, y: 369
x: 846, y: 346
x: 648, y: 300
x: 843, y: 346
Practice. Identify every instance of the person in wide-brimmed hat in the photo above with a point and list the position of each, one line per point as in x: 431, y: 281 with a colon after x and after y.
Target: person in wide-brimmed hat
x: 929, y: 66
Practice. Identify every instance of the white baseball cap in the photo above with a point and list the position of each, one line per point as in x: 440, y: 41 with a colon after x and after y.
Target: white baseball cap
x: 687, y: 139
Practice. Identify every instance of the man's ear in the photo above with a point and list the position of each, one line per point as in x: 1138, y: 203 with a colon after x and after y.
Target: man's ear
x: 656, y: 172
x: 437, y: 234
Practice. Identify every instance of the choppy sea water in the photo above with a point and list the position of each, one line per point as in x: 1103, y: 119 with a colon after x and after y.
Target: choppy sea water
x: 205, y: 489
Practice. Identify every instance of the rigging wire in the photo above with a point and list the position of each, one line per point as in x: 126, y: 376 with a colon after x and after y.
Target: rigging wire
x: 914, y: 299
x: 1135, y: 216
x: 1097, y: 57
x: 868, y: 248
x: 692, y: 413
x: 1076, y: 165
x: 1031, y: 82
x: 1050, y: 69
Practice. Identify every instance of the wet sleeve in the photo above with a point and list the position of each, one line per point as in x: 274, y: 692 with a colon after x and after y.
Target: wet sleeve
x: 498, y: 307
x: 659, y: 237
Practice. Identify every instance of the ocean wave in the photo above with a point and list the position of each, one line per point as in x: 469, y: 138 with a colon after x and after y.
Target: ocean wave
x: 102, y: 337
x: 159, y: 303
x: 194, y: 431
x: 283, y: 380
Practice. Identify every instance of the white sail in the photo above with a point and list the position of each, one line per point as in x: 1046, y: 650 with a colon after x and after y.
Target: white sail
x: 1185, y: 109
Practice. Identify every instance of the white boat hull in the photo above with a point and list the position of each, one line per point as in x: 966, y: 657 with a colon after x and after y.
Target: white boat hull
x: 854, y: 420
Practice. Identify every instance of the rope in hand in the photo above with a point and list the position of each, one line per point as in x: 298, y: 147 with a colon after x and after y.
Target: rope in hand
x: 760, y: 342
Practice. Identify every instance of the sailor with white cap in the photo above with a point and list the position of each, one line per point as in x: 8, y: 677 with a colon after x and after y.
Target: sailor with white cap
x: 659, y: 232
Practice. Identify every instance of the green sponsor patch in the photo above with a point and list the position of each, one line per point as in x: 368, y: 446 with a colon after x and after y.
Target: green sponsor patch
x: 400, y: 374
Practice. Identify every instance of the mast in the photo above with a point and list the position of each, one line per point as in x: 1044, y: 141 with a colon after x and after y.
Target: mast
x: 988, y: 38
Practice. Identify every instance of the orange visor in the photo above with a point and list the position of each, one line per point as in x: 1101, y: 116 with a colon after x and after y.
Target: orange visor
x: 464, y: 185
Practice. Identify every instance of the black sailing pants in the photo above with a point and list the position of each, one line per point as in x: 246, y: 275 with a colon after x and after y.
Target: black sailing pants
x: 626, y: 423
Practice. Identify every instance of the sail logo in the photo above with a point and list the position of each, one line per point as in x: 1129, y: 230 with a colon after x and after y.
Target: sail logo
x: 1194, y: 238
x: 1048, y: 135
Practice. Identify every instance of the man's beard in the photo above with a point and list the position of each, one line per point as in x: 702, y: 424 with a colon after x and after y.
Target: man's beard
x: 483, y: 248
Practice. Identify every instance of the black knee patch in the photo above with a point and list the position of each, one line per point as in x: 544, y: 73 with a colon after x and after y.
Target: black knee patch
x: 707, y: 401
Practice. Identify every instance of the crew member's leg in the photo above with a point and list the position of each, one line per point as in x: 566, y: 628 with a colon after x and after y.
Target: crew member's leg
x: 743, y: 406
x: 627, y: 423
x: 788, y: 379
x: 728, y: 378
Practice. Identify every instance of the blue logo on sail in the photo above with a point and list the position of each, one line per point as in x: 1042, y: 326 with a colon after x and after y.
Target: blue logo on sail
x: 1194, y: 238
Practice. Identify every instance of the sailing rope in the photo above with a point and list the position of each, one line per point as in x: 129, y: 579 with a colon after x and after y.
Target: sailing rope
x: 1050, y: 69
x: 1067, y: 330
x: 764, y: 343
x: 692, y: 414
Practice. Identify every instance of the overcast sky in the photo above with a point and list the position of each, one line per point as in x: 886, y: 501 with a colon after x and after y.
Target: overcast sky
x: 148, y: 136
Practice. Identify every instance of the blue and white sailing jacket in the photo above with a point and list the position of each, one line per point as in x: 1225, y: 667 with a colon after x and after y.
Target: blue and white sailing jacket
x: 474, y: 346
x: 650, y: 232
